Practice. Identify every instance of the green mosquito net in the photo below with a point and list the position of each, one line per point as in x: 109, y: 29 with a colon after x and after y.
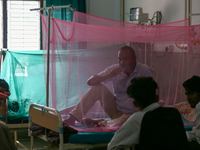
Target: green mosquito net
x: 23, y: 71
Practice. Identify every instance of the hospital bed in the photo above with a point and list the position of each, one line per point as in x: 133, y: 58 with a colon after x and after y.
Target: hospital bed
x: 51, y: 119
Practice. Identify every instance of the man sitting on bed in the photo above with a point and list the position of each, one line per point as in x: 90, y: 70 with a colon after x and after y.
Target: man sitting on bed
x: 154, y: 127
x: 118, y: 105
x: 192, y: 91
x: 6, y: 141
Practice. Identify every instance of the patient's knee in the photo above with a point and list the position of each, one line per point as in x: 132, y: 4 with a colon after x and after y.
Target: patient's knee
x: 99, y: 86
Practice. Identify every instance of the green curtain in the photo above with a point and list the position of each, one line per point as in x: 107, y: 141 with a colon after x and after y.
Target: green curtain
x: 66, y: 13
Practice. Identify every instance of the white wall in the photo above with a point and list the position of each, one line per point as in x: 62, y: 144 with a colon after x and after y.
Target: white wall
x: 110, y: 9
x: 172, y: 10
x: 195, y: 5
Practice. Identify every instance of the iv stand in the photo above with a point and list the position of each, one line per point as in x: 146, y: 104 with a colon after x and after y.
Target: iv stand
x: 48, y: 43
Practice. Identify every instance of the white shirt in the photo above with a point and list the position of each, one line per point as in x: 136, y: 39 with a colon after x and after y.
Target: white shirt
x: 128, y: 135
x: 195, y: 133
x: 120, y: 83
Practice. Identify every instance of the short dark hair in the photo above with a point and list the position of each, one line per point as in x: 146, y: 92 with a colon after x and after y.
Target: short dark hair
x: 192, y: 84
x: 4, y: 84
x: 128, y: 48
x: 143, y: 90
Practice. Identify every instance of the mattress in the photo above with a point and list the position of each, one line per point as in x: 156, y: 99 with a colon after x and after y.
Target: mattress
x: 105, y: 137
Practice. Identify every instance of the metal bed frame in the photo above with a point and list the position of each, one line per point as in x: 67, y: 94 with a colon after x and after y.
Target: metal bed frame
x: 51, y: 119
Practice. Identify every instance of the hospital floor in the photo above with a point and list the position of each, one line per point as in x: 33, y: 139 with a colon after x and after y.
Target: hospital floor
x: 38, y: 143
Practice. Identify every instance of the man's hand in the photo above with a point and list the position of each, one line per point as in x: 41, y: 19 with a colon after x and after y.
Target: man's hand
x: 96, y: 79
x: 115, y: 71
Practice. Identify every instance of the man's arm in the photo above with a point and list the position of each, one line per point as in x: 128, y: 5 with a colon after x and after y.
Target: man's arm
x: 191, y: 135
x: 149, y: 73
x: 96, y: 79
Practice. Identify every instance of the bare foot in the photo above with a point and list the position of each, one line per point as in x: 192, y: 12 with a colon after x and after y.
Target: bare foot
x: 90, y: 123
x: 70, y: 121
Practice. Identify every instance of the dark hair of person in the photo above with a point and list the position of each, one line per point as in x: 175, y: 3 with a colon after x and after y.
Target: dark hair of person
x: 143, y: 91
x: 192, y: 84
x: 4, y: 84
x: 124, y: 48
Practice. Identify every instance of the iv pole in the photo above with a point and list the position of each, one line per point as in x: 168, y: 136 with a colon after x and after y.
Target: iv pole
x: 48, y: 43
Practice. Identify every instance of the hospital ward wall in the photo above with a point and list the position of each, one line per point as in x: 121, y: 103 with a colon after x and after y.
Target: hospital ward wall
x: 171, y: 10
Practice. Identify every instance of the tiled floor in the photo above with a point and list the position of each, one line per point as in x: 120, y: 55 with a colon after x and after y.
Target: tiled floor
x: 38, y: 143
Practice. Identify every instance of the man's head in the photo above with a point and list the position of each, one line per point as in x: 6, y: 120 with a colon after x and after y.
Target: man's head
x: 192, y: 90
x: 4, y: 87
x: 127, y: 58
x: 143, y: 91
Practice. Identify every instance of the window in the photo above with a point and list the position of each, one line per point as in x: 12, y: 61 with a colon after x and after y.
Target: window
x: 22, y: 27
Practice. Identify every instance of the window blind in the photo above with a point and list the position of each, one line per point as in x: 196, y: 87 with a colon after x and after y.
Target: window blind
x: 23, y: 25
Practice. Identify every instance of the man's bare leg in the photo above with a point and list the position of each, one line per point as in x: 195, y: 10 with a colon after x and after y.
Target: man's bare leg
x: 98, y: 92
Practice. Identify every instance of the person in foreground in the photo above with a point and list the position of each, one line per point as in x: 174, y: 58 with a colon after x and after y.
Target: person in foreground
x: 6, y: 141
x: 117, y: 105
x: 153, y: 127
x: 192, y: 91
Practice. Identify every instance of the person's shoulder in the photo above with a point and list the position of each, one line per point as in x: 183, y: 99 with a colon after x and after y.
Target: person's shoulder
x: 143, y: 68
x: 136, y: 116
x: 3, y: 125
x: 197, y: 106
x: 140, y: 65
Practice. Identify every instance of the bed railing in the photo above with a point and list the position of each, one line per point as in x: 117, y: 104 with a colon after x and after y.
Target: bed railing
x: 50, y: 118
x: 46, y: 117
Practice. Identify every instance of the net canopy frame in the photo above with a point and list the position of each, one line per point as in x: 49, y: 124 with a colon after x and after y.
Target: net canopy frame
x: 74, y: 51
x: 90, y: 41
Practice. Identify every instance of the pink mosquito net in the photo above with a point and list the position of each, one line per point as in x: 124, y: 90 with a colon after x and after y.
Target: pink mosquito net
x: 89, y: 44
